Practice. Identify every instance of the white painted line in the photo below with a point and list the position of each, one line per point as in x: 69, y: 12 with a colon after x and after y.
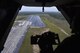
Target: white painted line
x: 62, y: 30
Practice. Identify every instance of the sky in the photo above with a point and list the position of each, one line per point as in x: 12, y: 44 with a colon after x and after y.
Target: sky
x: 38, y: 9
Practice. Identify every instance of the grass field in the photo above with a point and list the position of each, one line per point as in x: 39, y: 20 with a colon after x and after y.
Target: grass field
x: 53, y: 28
x: 27, y: 47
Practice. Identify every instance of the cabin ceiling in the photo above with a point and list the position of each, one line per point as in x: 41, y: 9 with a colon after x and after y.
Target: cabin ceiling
x: 51, y: 3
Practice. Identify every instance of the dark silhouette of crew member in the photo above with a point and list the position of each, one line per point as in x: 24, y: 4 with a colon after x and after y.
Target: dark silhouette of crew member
x: 46, y: 41
x: 72, y: 44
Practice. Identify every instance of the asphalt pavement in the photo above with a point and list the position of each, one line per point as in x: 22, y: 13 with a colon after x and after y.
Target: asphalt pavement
x: 17, y: 33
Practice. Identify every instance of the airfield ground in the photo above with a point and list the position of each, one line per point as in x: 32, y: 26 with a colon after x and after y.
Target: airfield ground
x: 55, y: 25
